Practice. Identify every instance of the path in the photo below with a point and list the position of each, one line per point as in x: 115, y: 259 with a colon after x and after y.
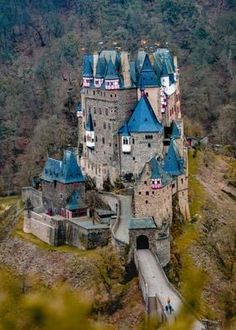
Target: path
x: 122, y: 232
x: 158, y: 284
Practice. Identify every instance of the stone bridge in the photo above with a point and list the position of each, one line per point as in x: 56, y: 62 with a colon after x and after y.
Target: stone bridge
x: 155, y: 287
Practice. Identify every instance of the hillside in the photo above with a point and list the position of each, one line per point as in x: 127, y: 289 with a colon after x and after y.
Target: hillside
x: 212, y: 201
x: 41, y: 52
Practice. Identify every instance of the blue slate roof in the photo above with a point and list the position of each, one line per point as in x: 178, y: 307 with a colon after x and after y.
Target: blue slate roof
x: 148, y: 77
x: 65, y: 171
x: 173, y: 163
x: 157, y: 172
x: 143, y: 119
x: 101, y: 67
x: 89, y: 123
x: 142, y: 223
x: 88, y: 66
x: 124, y: 130
x: 75, y: 201
x: 164, y: 71
x: 175, y: 133
x: 111, y: 73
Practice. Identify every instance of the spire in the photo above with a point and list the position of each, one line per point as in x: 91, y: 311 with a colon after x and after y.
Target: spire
x: 143, y: 118
x: 101, y: 67
x: 111, y: 73
x: 175, y: 133
x: 148, y: 76
x: 89, y: 124
x: 87, y: 67
x: 173, y: 163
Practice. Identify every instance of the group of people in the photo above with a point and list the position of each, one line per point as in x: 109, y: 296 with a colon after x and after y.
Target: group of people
x: 169, y: 309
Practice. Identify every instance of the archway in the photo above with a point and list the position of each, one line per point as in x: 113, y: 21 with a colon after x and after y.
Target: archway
x: 142, y: 242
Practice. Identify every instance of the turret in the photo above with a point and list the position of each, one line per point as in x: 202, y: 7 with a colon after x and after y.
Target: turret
x: 165, y: 81
x: 90, y: 142
x: 87, y: 71
x: 100, y: 72
x: 159, y: 177
x: 125, y: 139
x: 112, y: 79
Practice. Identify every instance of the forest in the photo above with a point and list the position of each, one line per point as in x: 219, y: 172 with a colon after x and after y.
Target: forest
x: 41, y: 48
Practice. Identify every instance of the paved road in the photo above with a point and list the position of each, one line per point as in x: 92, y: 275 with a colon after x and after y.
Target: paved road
x: 122, y: 232
x: 158, y: 284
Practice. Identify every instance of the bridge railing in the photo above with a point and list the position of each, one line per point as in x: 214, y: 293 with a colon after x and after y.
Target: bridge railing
x: 142, y: 283
x: 116, y: 222
x: 171, y: 286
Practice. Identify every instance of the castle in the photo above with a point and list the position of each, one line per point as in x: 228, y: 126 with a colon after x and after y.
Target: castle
x: 130, y: 126
x: 130, y: 129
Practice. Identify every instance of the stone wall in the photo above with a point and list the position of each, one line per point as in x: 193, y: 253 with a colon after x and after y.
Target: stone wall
x: 159, y: 246
x: 153, y: 95
x: 142, y: 150
x: 48, y: 229
x: 109, y: 111
x: 150, y: 202
x: 34, y: 195
x: 182, y: 187
x: 85, y: 238
x: 55, y: 194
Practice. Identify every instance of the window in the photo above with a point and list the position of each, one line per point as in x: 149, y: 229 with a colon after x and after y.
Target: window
x: 182, y: 180
x: 104, y: 125
x: 103, y: 140
x: 94, y: 123
x: 93, y: 92
x: 94, y: 110
x: 133, y: 141
x: 145, y: 182
x: 148, y: 137
x: 109, y: 126
x: 106, y: 112
x: 147, y: 193
x: 96, y: 139
x: 173, y: 185
x: 146, y: 202
x: 153, y: 192
x: 140, y: 193
x: 133, y: 158
x: 149, y: 145
x: 147, y: 92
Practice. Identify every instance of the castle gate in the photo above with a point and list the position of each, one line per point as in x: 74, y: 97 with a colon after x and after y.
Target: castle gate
x: 142, y: 242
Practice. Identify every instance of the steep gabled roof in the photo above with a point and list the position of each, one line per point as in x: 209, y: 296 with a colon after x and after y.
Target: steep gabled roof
x: 175, y: 132
x: 111, y: 73
x: 65, y: 171
x: 101, y: 67
x: 52, y: 170
x: 143, y: 118
x: 147, y: 74
x: 173, y: 163
x: 157, y: 172
x: 89, y: 123
x: 71, y: 171
x: 88, y: 67
x: 75, y: 201
x: 124, y: 130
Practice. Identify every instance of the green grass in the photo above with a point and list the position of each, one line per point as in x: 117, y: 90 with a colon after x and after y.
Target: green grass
x: 196, y: 190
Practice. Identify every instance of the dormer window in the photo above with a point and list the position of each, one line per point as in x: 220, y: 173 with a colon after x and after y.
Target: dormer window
x: 126, y: 144
x: 156, y: 183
